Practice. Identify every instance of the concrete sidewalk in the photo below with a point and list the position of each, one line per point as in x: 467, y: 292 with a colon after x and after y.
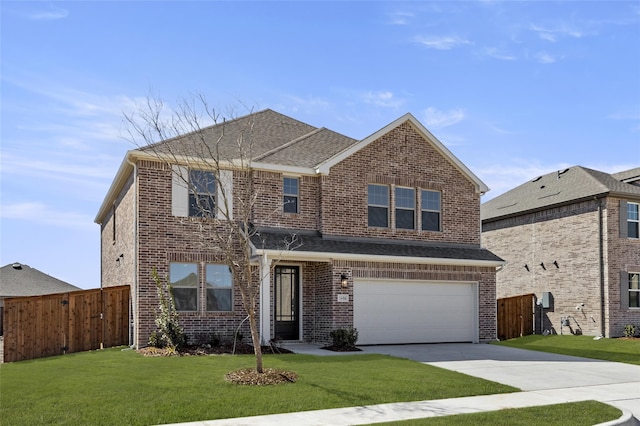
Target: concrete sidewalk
x: 545, y: 379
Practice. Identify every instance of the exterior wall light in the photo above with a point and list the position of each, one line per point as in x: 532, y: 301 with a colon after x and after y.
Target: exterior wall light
x: 344, y: 281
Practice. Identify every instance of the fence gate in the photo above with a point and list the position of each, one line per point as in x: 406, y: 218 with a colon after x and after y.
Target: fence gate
x: 54, y: 324
x: 515, y: 316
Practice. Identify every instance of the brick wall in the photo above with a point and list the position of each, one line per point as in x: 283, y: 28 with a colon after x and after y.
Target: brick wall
x: 400, y: 158
x: 622, y: 255
x: 568, y: 235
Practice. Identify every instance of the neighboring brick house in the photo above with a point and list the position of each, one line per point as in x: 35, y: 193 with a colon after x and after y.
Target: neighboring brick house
x: 571, y: 236
x: 387, y: 236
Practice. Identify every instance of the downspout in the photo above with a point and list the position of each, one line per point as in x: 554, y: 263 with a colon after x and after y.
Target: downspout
x: 601, y: 248
x: 133, y: 337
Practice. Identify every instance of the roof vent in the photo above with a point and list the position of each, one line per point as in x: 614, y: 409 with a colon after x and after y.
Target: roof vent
x: 537, y: 179
x: 17, y: 266
x: 561, y: 172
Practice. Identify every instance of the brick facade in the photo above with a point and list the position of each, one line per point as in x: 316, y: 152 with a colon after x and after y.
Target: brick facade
x: 570, y: 237
x: 149, y: 236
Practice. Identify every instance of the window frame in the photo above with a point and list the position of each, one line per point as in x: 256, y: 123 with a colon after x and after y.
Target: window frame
x: 636, y: 291
x: 201, y: 197
x: 290, y: 195
x: 424, y: 210
x: 209, y: 285
x: 374, y: 205
x: 633, y: 222
x: 183, y: 287
x: 403, y: 209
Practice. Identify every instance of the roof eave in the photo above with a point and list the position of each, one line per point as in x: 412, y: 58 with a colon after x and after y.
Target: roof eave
x: 329, y: 256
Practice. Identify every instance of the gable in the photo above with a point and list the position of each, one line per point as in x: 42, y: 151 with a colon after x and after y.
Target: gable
x: 426, y: 136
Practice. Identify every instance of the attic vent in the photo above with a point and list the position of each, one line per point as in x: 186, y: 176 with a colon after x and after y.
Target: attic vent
x: 537, y: 179
x: 561, y: 172
x: 17, y: 266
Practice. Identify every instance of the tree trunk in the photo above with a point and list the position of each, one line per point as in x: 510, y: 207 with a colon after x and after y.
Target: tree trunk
x: 257, y: 345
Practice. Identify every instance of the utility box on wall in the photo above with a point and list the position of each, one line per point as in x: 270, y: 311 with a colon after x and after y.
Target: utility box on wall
x: 547, y: 300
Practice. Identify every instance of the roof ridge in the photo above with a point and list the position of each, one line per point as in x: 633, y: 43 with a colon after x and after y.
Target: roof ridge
x: 290, y: 143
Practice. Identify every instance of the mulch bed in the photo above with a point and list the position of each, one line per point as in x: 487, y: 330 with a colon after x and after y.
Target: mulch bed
x: 222, y: 349
x: 341, y: 348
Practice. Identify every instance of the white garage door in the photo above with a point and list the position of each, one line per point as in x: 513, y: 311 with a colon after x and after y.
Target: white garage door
x: 388, y: 312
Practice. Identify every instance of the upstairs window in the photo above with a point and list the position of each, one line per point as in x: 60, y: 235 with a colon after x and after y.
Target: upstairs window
x: 219, y: 287
x: 633, y: 220
x: 405, y: 208
x: 378, y: 206
x: 431, y: 210
x: 183, y: 278
x: 634, y: 290
x: 290, y: 191
x: 202, y: 193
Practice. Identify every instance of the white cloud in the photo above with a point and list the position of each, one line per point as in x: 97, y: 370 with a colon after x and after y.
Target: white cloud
x: 52, y: 14
x: 438, y: 119
x: 498, y: 54
x: 43, y: 214
x: 441, y: 42
x: 545, y: 58
x: 384, y: 99
x: 400, y: 18
x: 551, y: 34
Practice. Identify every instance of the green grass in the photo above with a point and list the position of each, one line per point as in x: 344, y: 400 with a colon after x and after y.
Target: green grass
x: 618, y: 350
x: 122, y: 387
x: 571, y: 414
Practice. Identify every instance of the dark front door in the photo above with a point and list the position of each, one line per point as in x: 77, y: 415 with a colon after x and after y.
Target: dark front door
x: 287, y: 308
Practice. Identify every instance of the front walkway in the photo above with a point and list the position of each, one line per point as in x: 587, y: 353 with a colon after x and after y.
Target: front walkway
x: 545, y: 378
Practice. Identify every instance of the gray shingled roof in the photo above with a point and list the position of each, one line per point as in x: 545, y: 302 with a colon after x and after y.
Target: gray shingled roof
x: 627, y: 175
x: 272, y: 137
x: 275, y: 239
x: 557, y: 188
x: 17, y: 279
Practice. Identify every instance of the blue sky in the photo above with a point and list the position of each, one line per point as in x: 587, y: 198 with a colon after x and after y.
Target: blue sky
x: 513, y: 89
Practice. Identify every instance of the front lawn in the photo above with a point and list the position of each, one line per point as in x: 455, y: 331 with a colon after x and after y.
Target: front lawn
x: 117, y: 386
x: 618, y: 350
x: 570, y: 414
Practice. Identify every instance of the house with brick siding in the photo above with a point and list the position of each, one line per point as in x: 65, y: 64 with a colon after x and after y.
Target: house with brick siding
x: 381, y: 234
x: 572, y: 238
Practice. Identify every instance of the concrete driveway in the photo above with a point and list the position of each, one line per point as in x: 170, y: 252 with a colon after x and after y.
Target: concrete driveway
x: 577, y: 378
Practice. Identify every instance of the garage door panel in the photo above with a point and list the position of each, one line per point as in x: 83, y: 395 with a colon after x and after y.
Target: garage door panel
x: 414, y: 312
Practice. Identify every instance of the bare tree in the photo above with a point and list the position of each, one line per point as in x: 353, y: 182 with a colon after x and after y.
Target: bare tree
x: 194, y: 135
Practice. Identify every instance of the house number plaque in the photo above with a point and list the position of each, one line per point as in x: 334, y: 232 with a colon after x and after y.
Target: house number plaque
x: 343, y: 298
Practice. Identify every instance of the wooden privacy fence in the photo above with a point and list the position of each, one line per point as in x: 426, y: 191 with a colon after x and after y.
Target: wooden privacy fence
x: 515, y: 316
x: 54, y: 324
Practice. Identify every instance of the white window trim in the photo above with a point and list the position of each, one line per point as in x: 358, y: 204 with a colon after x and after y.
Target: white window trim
x: 396, y: 208
x: 422, y: 209
x: 386, y: 206
x: 180, y: 193
x: 637, y: 221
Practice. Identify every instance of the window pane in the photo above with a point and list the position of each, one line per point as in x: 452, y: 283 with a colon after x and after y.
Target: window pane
x: 632, y: 229
x: 430, y: 200
x: 290, y: 186
x: 218, y: 276
x: 634, y: 299
x: 430, y: 221
x: 378, y: 195
x: 290, y: 204
x: 632, y: 211
x: 186, y: 299
x: 405, y: 198
x: 634, y: 281
x: 405, y: 219
x: 218, y: 299
x: 202, y: 182
x: 378, y: 217
x: 183, y: 274
x: 219, y: 287
x: 202, y: 205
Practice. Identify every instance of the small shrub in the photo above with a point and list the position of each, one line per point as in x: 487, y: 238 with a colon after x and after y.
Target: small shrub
x: 629, y: 330
x: 170, y: 334
x: 210, y: 339
x: 344, y: 338
x: 155, y: 341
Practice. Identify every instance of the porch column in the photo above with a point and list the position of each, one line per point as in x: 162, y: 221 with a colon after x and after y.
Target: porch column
x: 265, y: 300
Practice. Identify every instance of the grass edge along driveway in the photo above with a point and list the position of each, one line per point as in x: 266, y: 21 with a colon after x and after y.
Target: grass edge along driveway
x: 118, y: 386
